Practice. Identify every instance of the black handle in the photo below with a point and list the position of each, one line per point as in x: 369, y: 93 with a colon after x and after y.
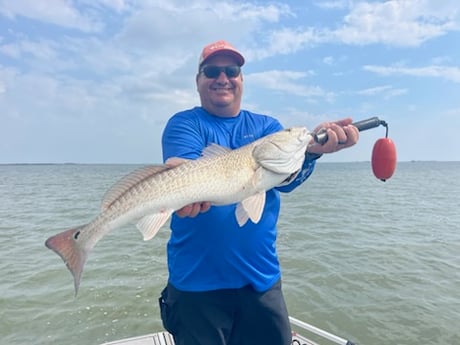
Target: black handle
x: 373, y: 122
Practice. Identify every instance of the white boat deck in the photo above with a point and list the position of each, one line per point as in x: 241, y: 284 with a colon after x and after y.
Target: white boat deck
x: 164, y: 338
x: 161, y: 338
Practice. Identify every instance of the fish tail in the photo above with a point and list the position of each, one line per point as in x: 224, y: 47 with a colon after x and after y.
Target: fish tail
x: 66, y: 245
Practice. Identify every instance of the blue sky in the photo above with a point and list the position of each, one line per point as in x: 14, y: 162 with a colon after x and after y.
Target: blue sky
x: 94, y: 81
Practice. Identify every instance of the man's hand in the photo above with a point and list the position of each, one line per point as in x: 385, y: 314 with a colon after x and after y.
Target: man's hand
x: 191, y: 210
x: 341, y: 134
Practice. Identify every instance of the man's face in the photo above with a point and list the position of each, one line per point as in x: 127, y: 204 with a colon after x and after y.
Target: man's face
x: 220, y: 96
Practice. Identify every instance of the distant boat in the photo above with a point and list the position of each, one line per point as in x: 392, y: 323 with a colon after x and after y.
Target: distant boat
x: 164, y: 338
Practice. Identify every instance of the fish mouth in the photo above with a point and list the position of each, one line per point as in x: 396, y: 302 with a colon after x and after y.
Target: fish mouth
x: 303, y: 135
x: 301, y: 138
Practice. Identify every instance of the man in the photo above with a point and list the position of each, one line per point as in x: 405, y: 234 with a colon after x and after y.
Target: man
x: 224, y: 285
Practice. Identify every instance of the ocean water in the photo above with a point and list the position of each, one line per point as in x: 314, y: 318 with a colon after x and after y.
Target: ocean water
x: 373, y: 262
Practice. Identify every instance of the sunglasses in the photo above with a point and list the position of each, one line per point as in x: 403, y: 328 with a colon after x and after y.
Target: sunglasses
x: 213, y: 72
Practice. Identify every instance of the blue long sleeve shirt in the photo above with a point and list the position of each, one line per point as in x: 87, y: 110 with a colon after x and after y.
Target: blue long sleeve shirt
x: 211, y: 251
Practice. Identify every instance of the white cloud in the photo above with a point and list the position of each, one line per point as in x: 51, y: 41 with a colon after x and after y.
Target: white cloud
x: 287, y: 41
x: 57, y: 12
x: 41, y: 49
x: 116, y: 5
x: 337, y: 4
x: 385, y: 91
x: 444, y: 72
x: 400, y: 23
x: 374, y: 90
x: 329, y: 60
x: 286, y: 82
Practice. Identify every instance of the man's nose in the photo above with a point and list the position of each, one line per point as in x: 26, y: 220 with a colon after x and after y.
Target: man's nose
x: 222, y: 77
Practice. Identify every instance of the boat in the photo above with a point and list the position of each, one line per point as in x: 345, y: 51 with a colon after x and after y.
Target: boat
x: 164, y: 338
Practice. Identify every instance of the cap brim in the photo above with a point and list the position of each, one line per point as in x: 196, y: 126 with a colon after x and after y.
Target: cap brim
x: 237, y: 56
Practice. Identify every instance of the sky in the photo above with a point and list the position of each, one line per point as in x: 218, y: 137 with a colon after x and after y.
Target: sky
x: 94, y: 81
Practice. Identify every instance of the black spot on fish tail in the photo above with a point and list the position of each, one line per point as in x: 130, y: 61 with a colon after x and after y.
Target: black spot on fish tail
x: 72, y: 252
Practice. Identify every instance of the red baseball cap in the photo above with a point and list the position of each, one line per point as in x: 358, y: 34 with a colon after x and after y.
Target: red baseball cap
x: 220, y: 47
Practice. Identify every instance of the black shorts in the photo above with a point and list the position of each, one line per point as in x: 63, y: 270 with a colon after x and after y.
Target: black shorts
x: 226, y: 317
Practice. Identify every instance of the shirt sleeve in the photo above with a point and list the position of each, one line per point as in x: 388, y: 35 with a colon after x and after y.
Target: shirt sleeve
x: 307, y: 169
x: 181, y: 138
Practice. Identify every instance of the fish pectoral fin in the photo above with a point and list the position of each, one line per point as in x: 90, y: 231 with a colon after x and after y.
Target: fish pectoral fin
x: 241, y: 215
x: 151, y: 224
x: 250, y: 208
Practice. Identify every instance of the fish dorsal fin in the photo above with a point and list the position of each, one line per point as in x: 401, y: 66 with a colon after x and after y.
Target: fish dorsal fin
x: 250, y: 208
x: 151, y: 224
x: 123, y: 185
x: 214, y: 150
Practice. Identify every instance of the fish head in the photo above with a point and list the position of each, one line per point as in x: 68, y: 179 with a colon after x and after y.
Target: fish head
x: 283, y: 152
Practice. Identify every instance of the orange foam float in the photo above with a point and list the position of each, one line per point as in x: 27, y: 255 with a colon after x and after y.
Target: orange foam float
x: 384, y: 158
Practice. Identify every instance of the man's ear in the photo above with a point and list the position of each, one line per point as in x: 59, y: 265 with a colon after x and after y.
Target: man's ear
x: 196, y: 80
